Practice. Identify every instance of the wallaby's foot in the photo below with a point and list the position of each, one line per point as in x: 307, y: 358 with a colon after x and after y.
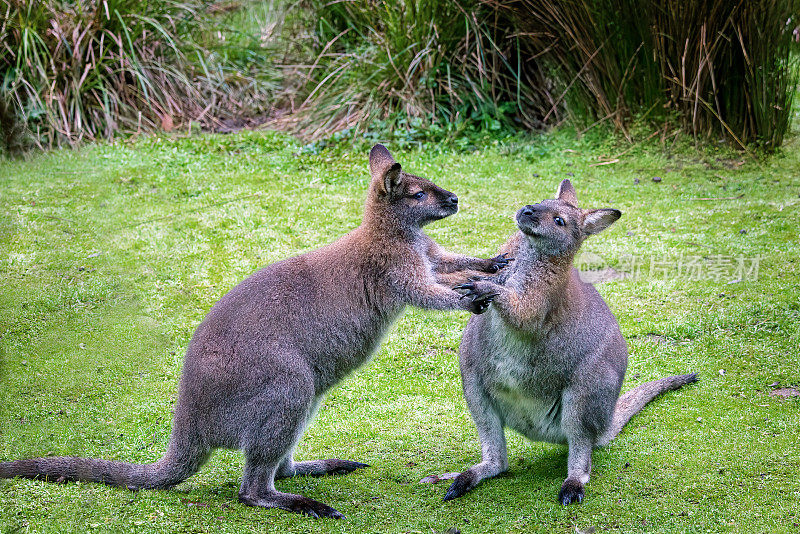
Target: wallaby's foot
x: 462, y: 484
x: 473, y: 476
x: 481, y: 294
x: 571, y: 491
x: 318, y: 468
x: 291, y: 503
x: 498, y: 262
x: 334, y: 466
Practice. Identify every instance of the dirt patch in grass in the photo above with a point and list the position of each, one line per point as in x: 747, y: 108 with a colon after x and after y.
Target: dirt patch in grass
x: 599, y: 276
x: 784, y: 392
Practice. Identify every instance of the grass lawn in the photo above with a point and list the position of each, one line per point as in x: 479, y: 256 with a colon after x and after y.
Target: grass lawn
x: 111, y: 255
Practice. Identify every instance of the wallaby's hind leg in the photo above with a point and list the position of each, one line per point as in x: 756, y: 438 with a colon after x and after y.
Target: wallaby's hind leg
x: 289, y: 468
x: 270, y: 441
x: 258, y: 489
x: 586, y: 415
x: 494, y: 456
x: 579, y: 467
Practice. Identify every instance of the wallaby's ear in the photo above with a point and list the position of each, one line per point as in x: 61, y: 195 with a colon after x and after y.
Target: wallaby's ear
x: 384, y: 169
x: 567, y: 193
x: 595, y: 221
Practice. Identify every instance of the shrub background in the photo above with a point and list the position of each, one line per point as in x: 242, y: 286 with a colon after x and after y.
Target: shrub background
x: 87, y: 69
x: 90, y: 69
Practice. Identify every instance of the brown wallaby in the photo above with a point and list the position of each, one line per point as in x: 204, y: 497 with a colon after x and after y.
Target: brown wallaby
x: 261, y: 361
x: 548, y: 358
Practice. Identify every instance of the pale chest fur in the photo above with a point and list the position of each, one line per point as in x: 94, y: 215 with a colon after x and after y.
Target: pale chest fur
x: 516, y: 378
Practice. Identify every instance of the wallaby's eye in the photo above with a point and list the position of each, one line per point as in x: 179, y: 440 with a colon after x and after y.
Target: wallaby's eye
x: 419, y: 195
x: 559, y: 221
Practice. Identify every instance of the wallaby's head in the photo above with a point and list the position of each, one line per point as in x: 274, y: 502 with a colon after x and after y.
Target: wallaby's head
x: 558, y: 227
x: 409, y: 200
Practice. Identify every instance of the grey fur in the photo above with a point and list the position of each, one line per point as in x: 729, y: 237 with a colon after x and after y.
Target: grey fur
x: 261, y: 361
x: 548, y: 359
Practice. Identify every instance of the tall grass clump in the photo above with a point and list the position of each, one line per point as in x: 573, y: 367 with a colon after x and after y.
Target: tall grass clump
x: 722, y: 66
x: 426, y: 64
x: 89, y: 69
x: 727, y: 66
x: 12, y: 132
x: 596, y: 51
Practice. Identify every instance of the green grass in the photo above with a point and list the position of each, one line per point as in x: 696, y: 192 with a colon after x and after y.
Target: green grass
x: 112, y: 254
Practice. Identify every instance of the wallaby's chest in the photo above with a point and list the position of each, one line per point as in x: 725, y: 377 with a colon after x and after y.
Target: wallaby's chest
x: 525, y: 382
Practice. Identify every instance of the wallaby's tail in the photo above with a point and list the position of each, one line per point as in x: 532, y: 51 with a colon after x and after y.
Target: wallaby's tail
x: 175, y: 466
x: 634, y: 400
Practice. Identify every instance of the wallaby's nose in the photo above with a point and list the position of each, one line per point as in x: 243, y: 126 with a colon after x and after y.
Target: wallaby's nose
x: 453, y: 200
x: 528, y: 210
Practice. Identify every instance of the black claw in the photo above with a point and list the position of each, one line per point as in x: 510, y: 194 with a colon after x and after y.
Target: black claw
x: 468, y: 287
x: 500, y: 262
x: 318, y: 510
x: 342, y: 467
x: 571, y: 491
x: 481, y: 303
x: 453, y: 492
x: 302, y: 505
x: 450, y: 495
x: 462, y: 484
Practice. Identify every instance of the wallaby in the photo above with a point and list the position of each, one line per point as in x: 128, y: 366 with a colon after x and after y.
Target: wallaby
x: 548, y: 358
x: 261, y: 361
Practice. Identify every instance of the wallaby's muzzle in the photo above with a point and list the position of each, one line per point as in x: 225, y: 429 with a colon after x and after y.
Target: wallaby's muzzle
x: 448, y: 202
x: 528, y: 218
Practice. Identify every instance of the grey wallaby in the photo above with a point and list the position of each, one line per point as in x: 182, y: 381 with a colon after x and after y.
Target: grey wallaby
x: 261, y: 361
x: 548, y: 358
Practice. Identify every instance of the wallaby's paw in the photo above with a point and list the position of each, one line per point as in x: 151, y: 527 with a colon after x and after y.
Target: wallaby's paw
x: 481, y: 304
x: 498, y: 262
x: 480, y: 293
x: 571, y: 491
x: 342, y: 467
x: 462, y: 484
